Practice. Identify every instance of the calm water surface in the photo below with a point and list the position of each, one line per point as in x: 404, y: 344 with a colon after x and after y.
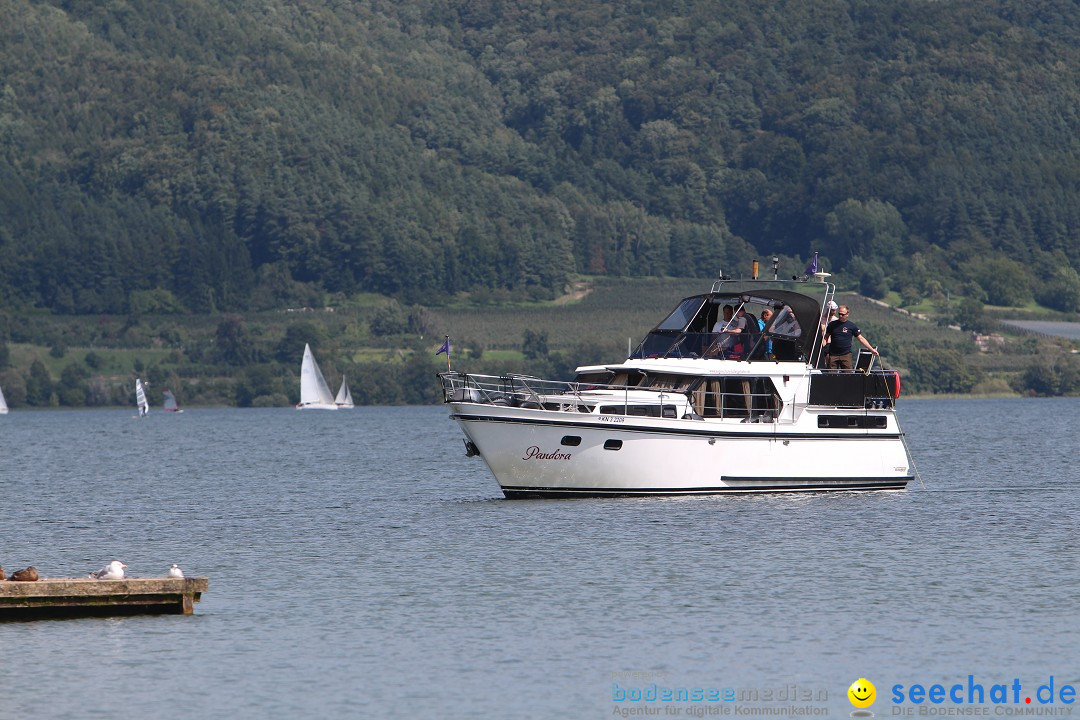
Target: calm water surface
x: 361, y: 566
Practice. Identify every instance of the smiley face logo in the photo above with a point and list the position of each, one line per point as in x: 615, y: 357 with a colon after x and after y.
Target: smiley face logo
x: 862, y: 693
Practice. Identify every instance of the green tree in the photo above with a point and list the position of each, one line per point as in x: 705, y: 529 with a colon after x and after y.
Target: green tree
x: 942, y: 371
x: 39, y: 385
x: 873, y: 229
x: 534, y: 344
x: 157, y: 301
x: 416, y: 380
x: 389, y: 319
x: 72, y: 389
x: 419, y: 320
x: 968, y: 314
x: 1005, y: 281
x: 1061, y: 291
x: 870, y: 277
x: 290, y: 350
x: 14, y: 387
x: 232, y: 344
x: 256, y: 381
x: 1056, y: 376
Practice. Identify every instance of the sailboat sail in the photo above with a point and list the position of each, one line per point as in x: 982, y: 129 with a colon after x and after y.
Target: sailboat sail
x: 140, y: 398
x: 344, y: 395
x: 314, y: 392
x: 3, y: 404
x: 170, y: 402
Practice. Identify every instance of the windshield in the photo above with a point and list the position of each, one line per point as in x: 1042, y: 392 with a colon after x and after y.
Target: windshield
x: 680, y: 318
x: 785, y: 324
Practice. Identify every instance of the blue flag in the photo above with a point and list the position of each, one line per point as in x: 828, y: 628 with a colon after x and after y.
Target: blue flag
x: 445, y: 348
x: 812, y: 267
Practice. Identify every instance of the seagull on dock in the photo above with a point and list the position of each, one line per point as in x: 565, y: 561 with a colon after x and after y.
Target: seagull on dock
x: 175, y: 571
x: 29, y: 574
x: 112, y: 571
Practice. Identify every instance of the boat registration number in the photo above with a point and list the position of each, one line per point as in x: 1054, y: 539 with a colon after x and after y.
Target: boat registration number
x: 612, y: 418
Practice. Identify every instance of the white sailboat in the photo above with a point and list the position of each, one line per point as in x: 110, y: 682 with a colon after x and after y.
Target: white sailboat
x: 140, y: 398
x: 314, y: 392
x: 344, y: 396
x: 170, y: 402
x: 4, y: 408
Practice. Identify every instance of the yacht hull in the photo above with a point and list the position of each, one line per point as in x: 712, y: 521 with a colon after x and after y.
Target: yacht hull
x: 539, y: 453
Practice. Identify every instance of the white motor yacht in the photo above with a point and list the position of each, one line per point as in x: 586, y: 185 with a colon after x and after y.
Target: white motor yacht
x: 692, y: 411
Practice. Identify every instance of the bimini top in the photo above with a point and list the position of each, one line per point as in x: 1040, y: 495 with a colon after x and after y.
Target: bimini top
x: 695, y: 328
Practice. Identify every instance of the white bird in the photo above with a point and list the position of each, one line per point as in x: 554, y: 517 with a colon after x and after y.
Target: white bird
x: 175, y: 571
x: 112, y: 571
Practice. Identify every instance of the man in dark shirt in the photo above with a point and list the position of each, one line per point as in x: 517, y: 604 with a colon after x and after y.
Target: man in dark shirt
x: 839, y: 334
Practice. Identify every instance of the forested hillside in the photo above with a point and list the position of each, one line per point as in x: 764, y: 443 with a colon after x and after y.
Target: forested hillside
x: 194, y: 156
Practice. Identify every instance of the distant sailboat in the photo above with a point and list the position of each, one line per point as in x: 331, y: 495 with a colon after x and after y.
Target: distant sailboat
x: 314, y: 392
x: 344, y: 395
x: 170, y: 402
x: 3, y: 403
x: 140, y: 398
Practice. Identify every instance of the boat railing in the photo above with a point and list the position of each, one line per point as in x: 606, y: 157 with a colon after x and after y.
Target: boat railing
x: 748, y: 402
x: 536, y: 393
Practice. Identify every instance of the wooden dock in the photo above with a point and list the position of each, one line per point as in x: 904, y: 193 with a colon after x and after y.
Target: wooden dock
x: 80, y: 597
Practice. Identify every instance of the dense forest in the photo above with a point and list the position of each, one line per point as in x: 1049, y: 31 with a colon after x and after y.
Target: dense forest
x: 182, y: 182
x: 193, y: 157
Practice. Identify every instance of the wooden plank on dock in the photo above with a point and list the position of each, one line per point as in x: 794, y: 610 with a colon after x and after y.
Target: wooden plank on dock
x: 67, y: 597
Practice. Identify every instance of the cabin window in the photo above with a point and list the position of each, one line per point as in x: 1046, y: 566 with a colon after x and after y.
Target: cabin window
x: 853, y: 421
x: 613, y: 444
x: 753, y: 398
x: 678, y: 383
x: 567, y: 407
x: 570, y: 440
x: 593, y: 378
x: 626, y: 378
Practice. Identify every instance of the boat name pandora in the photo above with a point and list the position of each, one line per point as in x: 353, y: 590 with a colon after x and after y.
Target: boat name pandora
x: 533, y: 453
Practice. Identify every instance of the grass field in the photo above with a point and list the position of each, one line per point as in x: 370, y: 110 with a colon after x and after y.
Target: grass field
x: 595, y: 321
x: 617, y: 309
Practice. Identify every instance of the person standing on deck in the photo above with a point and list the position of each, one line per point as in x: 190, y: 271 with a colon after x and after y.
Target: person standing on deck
x: 839, y: 334
x: 766, y: 316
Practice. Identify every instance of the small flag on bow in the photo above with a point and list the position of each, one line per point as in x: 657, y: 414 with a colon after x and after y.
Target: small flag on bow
x: 445, y: 348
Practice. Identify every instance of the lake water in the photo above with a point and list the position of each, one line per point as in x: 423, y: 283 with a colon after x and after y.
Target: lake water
x: 361, y: 566
x: 1056, y: 328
